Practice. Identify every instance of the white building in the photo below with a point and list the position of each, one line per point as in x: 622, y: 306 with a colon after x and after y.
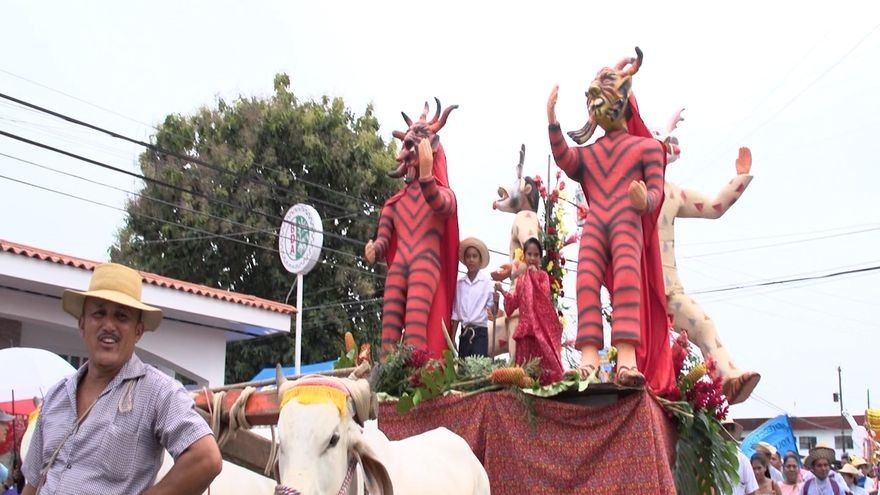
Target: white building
x: 189, y: 345
x: 810, y: 431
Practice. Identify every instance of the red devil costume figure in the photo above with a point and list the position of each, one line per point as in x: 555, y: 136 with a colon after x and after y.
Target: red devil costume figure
x: 418, y: 236
x: 622, y: 176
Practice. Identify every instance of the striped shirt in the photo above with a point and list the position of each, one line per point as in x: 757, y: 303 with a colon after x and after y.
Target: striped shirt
x: 118, y: 447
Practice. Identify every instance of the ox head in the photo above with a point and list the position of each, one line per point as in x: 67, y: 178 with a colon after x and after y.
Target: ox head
x: 608, y: 98
x: 320, y: 436
x: 521, y: 195
x: 408, y: 157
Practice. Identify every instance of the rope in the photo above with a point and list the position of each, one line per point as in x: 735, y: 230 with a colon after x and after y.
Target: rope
x: 237, y: 421
x: 271, y: 468
x: 216, y: 410
x: 237, y: 417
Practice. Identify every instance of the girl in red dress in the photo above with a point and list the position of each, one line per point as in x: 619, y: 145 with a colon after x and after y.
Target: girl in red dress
x: 539, y: 333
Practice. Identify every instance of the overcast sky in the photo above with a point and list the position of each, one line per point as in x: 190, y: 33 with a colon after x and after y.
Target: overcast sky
x: 796, y: 84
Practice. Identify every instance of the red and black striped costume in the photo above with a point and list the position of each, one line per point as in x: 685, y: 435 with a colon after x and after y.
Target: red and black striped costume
x: 418, y: 235
x: 612, y: 236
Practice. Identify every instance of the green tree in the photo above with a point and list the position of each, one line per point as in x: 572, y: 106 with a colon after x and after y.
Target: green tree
x: 273, y: 152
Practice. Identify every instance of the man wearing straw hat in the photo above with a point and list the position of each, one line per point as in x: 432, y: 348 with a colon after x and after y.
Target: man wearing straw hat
x: 102, y: 430
x: 473, y: 296
x: 823, y: 481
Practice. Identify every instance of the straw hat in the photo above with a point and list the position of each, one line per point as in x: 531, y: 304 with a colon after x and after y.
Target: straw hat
x: 857, y: 461
x: 765, y: 448
x: 849, y: 469
x: 115, y: 283
x: 476, y: 244
x: 820, y: 452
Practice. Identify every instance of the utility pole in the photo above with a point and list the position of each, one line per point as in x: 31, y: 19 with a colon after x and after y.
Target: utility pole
x: 842, y: 419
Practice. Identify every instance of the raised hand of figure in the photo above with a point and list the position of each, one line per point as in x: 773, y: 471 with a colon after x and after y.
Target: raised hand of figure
x: 426, y: 159
x: 638, y: 195
x: 370, y: 252
x: 498, y: 287
x: 551, y: 105
x: 744, y: 161
x: 502, y: 273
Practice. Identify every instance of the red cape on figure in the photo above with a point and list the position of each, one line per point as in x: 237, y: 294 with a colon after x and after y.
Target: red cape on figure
x: 653, y: 355
x: 444, y: 295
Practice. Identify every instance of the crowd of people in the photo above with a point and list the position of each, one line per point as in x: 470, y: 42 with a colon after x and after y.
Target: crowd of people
x: 770, y: 472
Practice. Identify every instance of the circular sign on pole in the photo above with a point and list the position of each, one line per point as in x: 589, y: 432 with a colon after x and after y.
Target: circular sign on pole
x: 300, y: 239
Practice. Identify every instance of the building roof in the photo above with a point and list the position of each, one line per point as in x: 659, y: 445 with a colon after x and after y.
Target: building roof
x: 804, y: 422
x: 149, y: 278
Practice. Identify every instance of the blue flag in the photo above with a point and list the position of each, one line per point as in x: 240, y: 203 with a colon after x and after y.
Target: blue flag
x: 777, y: 432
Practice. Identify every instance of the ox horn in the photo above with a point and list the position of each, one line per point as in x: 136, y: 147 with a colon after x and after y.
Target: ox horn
x: 436, y: 126
x: 279, y: 377
x: 398, y: 134
x: 425, y: 110
x: 406, y: 119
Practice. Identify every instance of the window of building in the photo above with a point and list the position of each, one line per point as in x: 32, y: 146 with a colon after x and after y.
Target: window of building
x: 843, y: 442
x: 806, y: 443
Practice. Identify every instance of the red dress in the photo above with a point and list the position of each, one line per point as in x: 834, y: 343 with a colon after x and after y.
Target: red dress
x: 539, y: 333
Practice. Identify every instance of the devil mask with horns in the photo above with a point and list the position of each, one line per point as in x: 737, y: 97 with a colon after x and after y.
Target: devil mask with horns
x: 418, y: 236
x: 407, y: 158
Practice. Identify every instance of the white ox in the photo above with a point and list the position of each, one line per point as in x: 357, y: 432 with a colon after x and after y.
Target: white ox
x: 232, y: 480
x: 325, y: 451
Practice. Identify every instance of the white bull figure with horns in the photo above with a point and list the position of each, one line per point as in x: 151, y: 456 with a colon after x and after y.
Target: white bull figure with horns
x: 326, y: 448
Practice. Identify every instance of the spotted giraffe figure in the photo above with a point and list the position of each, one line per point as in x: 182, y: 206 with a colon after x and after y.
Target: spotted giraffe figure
x: 418, y: 236
x: 686, y: 314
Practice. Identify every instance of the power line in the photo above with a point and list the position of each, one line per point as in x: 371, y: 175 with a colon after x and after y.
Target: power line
x: 810, y: 288
x: 153, y: 127
x: 169, y: 185
x: 791, y: 280
x: 195, y: 229
x: 777, y: 236
x: 814, y: 81
x: 804, y: 90
x: 197, y: 237
x: 187, y: 227
x: 99, y: 107
x: 784, y: 243
x: 179, y: 207
x: 344, y: 304
x: 182, y: 156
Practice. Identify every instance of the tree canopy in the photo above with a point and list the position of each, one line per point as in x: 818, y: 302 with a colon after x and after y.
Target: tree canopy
x: 215, y: 222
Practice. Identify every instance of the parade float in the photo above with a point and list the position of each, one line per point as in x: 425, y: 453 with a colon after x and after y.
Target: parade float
x: 654, y: 404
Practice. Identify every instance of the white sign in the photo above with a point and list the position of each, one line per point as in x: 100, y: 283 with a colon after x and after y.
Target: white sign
x: 300, y: 239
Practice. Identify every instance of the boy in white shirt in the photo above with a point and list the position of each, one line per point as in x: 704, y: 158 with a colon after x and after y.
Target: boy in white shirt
x: 473, y: 297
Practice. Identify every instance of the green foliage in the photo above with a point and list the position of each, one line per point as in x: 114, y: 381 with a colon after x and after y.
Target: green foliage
x: 345, y: 360
x: 568, y: 383
x: 706, y: 461
x: 268, y: 145
x: 431, y: 380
